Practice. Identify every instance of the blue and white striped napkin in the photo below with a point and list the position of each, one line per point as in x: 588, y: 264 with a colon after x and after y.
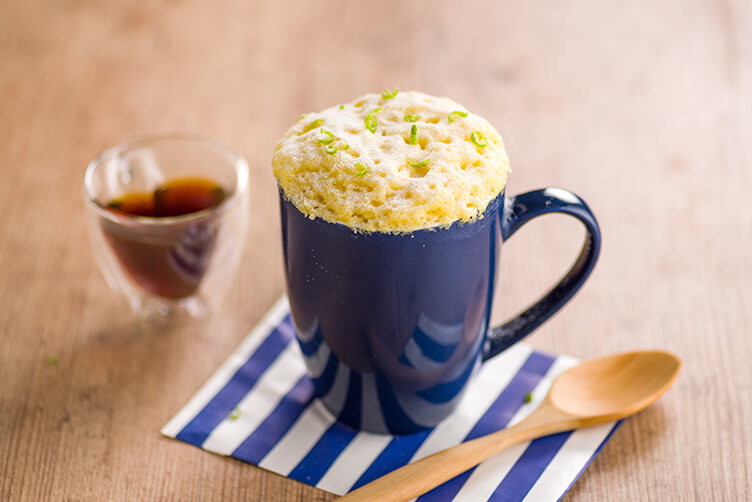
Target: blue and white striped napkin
x: 259, y: 407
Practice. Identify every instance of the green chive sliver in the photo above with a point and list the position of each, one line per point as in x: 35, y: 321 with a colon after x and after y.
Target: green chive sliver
x: 528, y: 397
x: 370, y: 123
x: 422, y: 163
x: 329, y: 137
x: 414, y: 135
x: 458, y: 113
x: 313, y: 125
x: 341, y: 107
x: 361, y: 169
x: 370, y: 119
x: 409, y: 117
x: 52, y: 360
x: 330, y: 149
x: 234, y: 414
x: 389, y: 94
x: 479, y: 140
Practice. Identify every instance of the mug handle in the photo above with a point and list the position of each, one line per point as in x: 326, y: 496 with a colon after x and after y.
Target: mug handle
x: 519, y: 210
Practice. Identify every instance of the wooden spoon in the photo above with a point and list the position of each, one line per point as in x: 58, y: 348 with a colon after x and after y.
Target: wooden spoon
x: 591, y: 393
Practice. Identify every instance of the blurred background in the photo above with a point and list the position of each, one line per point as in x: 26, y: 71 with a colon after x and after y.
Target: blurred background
x: 642, y: 108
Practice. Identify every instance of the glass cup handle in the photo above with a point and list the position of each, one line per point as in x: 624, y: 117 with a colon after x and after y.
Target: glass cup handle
x: 519, y: 210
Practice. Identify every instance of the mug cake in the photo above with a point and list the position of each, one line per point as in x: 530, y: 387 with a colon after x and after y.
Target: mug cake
x: 394, y: 162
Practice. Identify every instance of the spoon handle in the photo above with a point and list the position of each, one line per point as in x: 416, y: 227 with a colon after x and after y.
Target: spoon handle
x: 427, y: 473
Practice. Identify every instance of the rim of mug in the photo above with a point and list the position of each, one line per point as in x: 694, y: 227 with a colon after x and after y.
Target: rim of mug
x: 456, y: 226
x: 238, y: 162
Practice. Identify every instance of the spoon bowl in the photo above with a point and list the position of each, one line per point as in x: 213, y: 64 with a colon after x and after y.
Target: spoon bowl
x: 593, y: 392
x: 615, y: 386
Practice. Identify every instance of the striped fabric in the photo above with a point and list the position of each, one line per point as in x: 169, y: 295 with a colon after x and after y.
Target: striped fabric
x: 281, y: 427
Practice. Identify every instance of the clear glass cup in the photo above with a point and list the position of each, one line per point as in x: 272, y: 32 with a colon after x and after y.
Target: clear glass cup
x: 175, y: 266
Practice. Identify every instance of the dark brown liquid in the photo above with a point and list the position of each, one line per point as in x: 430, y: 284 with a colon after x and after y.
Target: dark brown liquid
x: 174, y: 198
x: 170, y: 260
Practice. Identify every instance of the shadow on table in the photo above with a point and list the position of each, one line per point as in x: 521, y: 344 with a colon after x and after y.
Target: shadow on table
x: 630, y: 445
x: 136, y: 362
x: 122, y: 377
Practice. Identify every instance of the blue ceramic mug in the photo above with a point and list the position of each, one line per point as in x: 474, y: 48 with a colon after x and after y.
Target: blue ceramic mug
x: 393, y: 326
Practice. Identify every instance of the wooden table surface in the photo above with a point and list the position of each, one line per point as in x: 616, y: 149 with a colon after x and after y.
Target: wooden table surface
x: 643, y: 108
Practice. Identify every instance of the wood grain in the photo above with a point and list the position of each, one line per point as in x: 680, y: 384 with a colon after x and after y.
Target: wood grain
x: 643, y: 108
